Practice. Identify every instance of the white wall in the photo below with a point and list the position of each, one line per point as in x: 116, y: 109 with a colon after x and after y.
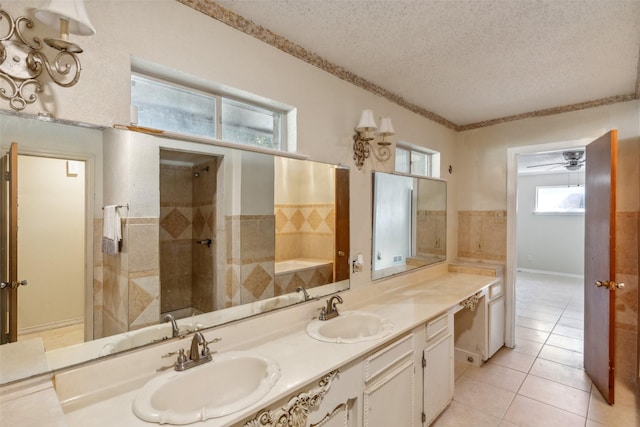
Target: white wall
x: 548, y: 242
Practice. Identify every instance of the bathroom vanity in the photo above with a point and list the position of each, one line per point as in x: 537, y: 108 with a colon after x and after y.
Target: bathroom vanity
x: 402, y: 378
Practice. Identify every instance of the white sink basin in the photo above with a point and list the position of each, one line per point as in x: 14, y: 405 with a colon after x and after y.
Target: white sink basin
x: 350, y: 327
x: 230, y: 382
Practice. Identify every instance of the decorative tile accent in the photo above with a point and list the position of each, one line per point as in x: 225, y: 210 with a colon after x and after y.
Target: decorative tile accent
x: 175, y: 223
x: 257, y: 281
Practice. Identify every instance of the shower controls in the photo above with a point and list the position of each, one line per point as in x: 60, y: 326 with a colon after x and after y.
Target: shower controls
x: 205, y: 242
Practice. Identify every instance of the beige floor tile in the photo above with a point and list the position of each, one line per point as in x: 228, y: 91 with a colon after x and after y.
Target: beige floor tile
x: 560, y: 355
x: 568, y: 331
x: 574, y: 314
x: 460, y: 415
x: 499, y: 376
x: 527, y: 412
x: 535, y: 324
x: 617, y: 415
x: 563, y: 374
x: 460, y: 367
x: 540, y: 315
x: 531, y: 334
x: 527, y: 346
x: 512, y: 359
x: 572, y: 323
x: 58, y: 337
x: 555, y: 394
x: 567, y: 343
x: 482, y: 396
x: 591, y: 423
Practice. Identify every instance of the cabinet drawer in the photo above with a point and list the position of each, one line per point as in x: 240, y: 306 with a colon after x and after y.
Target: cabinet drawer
x: 387, y: 357
x: 495, y: 290
x: 437, y: 326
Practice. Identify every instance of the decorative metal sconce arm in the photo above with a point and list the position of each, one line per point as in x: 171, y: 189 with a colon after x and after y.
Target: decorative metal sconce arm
x: 362, y: 148
x: 22, y: 62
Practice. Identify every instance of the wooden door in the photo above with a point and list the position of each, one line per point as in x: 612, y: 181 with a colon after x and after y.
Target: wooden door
x: 341, y: 255
x: 600, y: 243
x: 9, y: 273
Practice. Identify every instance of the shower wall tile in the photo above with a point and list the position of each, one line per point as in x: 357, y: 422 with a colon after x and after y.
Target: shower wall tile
x: 481, y: 235
x: 143, y: 244
x: 431, y: 232
x: 257, y: 238
x: 304, y: 231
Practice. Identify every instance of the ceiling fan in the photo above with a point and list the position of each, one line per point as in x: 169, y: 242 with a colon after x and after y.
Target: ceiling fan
x: 573, y: 161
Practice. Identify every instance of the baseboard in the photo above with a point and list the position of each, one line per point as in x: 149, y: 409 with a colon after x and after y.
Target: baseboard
x: 47, y: 326
x: 550, y: 273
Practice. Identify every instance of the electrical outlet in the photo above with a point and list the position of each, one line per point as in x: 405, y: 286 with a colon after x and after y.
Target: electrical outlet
x: 437, y: 243
x: 479, y: 246
x: 498, y: 217
x: 529, y: 257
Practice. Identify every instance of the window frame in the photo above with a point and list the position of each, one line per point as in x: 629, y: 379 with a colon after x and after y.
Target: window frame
x: 281, y: 131
x: 432, y: 160
x: 573, y: 211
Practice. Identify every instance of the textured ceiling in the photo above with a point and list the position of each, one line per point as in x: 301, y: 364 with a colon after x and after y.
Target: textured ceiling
x: 470, y: 62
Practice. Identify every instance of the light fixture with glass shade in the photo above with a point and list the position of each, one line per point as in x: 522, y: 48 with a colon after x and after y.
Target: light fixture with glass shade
x: 22, y: 60
x: 362, y: 147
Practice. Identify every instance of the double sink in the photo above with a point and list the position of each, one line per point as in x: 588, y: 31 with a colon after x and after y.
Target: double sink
x: 235, y: 380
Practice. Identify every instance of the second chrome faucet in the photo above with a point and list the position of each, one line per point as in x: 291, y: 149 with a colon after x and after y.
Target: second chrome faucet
x: 196, y: 356
x: 330, y: 311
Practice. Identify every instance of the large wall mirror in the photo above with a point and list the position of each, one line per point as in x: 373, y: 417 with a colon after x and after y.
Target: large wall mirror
x: 210, y: 234
x: 409, y: 223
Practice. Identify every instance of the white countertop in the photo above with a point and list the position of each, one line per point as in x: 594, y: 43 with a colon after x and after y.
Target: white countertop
x: 302, y: 359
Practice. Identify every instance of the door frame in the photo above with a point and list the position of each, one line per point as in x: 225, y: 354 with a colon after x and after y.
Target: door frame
x: 89, y: 217
x: 511, y: 256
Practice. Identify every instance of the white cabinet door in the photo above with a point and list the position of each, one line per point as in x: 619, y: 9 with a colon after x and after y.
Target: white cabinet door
x: 389, y: 400
x: 496, y: 325
x: 438, y: 377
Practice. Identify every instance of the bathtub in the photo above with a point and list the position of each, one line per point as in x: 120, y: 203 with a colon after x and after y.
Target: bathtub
x: 308, y: 273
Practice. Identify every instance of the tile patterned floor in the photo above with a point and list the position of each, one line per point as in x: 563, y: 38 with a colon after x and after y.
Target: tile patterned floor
x: 541, y: 382
x: 58, y: 337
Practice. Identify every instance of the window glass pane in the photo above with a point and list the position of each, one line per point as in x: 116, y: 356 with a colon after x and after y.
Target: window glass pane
x: 560, y: 199
x: 173, y: 108
x: 402, y: 160
x: 419, y: 163
x: 247, y: 124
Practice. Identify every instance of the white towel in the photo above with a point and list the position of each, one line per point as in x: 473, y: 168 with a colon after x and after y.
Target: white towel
x: 111, y: 230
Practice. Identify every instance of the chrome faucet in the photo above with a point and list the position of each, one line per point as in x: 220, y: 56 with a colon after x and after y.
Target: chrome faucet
x: 330, y: 311
x: 304, y: 292
x: 196, y: 356
x: 175, y: 331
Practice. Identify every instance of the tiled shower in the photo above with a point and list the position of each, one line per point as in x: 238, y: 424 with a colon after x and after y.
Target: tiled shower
x: 187, y: 236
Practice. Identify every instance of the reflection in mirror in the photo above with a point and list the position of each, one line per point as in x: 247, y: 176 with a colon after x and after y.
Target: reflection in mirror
x: 409, y: 223
x: 211, y: 234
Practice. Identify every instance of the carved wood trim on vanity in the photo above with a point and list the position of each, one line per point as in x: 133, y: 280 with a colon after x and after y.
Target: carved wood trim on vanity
x: 296, y: 411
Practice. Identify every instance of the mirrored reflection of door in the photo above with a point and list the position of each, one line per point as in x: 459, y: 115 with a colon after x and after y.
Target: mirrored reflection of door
x: 9, y: 247
x: 600, y: 232
x: 51, y: 252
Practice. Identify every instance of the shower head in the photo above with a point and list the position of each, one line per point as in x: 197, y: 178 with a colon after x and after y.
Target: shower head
x: 204, y: 169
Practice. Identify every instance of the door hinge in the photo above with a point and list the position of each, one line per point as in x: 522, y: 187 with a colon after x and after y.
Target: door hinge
x: 424, y: 417
x: 424, y: 362
x: 7, y: 176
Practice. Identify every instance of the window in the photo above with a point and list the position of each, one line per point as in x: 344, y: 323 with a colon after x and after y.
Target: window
x: 416, y: 161
x: 181, y: 109
x: 560, y: 199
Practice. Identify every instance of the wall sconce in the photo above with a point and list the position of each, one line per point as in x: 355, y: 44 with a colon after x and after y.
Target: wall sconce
x: 22, y: 61
x: 361, y: 139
